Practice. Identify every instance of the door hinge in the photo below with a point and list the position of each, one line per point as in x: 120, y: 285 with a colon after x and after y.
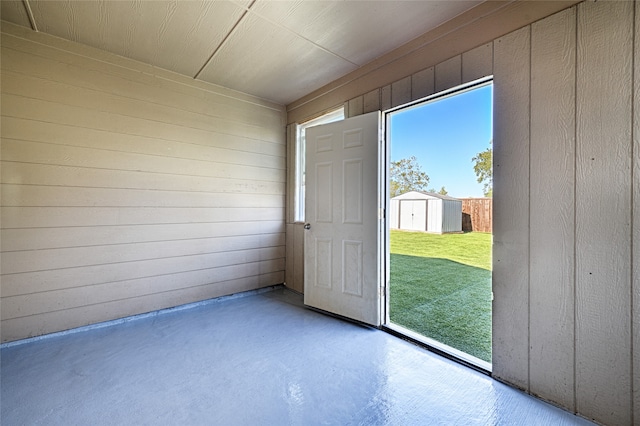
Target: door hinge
x: 380, y: 213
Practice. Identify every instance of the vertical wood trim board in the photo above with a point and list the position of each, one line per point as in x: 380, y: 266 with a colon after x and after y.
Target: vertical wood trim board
x: 511, y: 70
x: 289, y: 261
x: 371, y: 101
x: 298, y: 257
x: 385, y: 97
x: 292, y: 151
x: 448, y: 74
x: 401, y: 92
x: 603, y: 189
x: 355, y: 107
x: 477, y: 63
x: 603, y: 206
x: 423, y: 83
x: 552, y: 207
x: 635, y: 224
x: 1, y: 215
x: 125, y: 191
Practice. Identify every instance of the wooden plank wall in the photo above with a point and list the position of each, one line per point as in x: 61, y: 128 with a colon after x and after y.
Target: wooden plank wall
x: 604, y: 86
x: 127, y: 189
x: 566, y: 319
x: 575, y: 283
x: 511, y: 208
x: 477, y: 214
x: 635, y: 225
x: 552, y: 166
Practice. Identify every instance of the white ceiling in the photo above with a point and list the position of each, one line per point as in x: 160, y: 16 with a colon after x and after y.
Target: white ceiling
x: 277, y: 50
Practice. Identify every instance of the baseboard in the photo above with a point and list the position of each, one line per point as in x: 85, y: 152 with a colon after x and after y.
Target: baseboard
x: 136, y: 317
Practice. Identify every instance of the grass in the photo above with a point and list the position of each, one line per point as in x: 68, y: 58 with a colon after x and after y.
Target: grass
x: 441, y: 288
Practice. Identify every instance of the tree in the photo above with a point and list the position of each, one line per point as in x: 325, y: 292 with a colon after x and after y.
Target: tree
x: 484, y: 170
x: 406, y: 175
x: 442, y: 191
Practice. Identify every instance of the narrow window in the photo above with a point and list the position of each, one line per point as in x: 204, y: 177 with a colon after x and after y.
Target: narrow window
x: 335, y: 115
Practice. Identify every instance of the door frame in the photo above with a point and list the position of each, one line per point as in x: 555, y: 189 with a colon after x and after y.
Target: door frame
x: 397, y: 330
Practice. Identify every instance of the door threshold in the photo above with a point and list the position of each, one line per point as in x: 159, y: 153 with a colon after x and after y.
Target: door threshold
x: 439, y: 348
x: 342, y: 317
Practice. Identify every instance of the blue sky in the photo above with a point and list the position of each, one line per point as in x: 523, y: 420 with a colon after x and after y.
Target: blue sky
x: 444, y: 136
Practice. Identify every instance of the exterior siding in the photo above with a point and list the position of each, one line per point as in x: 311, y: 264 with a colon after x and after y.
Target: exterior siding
x: 434, y: 216
x: 565, y: 265
x: 452, y: 220
x: 127, y: 189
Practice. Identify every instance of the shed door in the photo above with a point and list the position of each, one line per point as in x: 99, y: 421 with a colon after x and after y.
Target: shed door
x: 342, y: 244
x: 413, y: 215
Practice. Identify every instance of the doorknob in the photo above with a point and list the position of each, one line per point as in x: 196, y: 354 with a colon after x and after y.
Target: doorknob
x: 307, y: 226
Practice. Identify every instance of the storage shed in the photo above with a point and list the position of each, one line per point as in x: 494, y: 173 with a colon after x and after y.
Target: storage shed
x: 426, y: 211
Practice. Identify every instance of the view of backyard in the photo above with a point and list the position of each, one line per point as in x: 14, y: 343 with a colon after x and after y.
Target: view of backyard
x: 441, y: 288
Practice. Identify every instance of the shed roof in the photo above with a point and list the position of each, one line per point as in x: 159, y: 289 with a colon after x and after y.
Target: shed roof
x: 422, y: 195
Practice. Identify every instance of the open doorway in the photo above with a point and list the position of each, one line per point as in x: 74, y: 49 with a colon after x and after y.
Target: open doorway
x: 440, y: 222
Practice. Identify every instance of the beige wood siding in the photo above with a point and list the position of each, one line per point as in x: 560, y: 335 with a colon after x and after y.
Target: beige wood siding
x: 566, y: 193
x: 489, y: 20
x: 552, y: 177
x: 604, y: 89
x: 127, y: 189
x: 635, y: 225
x: 422, y: 83
x: 511, y: 207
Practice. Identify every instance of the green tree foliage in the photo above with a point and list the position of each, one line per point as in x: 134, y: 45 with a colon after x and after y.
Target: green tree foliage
x: 442, y: 191
x: 407, y: 175
x: 483, y: 168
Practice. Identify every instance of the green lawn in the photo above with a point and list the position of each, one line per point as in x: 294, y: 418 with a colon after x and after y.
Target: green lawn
x: 441, y: 288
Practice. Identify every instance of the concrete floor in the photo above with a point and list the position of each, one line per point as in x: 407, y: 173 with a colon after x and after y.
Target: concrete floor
x: 259, y: 360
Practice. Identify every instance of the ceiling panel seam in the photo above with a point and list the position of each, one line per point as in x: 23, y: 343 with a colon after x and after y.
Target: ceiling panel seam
x: 396, y: 55
x: 289, y: 30
x: 32, y: 20
x: 224, y: 40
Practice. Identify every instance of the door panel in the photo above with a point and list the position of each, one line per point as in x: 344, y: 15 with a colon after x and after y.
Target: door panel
x: 413, y: 215
x: 342, y: 244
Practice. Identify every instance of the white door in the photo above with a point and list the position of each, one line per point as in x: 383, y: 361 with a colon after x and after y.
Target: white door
x: 342, y: 242
x: 413, y: 215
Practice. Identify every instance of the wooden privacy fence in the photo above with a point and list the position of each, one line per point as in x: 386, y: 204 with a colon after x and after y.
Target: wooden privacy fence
x: 477, y: 214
